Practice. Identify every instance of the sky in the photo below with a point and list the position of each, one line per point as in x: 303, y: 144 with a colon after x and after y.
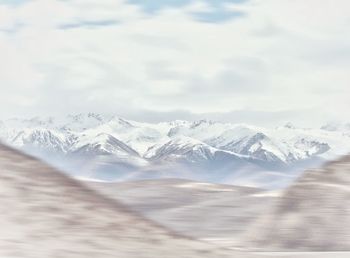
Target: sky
x: 264, y: 62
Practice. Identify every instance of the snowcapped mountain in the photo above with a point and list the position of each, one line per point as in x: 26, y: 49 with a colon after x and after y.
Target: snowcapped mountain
x: 186, y: 149
x: 41, y: 139
x: 102, y: 144
x: 339, y: 127
x: 282, y: 145
x: 81, y: 122
x: 108, y: 143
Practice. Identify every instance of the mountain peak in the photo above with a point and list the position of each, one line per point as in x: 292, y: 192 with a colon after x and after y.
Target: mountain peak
x: 336, y: 126
x: 201, y: 141
x: 289, y: 125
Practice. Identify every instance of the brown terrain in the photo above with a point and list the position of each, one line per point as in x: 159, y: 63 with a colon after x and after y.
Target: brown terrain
x: 309, y: 218
x: 45, y: 214
x: 311, y: 215
x: 212, y: 212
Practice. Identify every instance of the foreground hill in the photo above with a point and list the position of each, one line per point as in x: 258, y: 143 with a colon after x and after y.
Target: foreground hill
x: 312, y: 215
x: 45, y: 214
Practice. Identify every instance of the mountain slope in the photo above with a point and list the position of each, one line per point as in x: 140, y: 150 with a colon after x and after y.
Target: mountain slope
x: 312, y: 215
x: 186, y: 149
x: 41, y: 139
x: 283, y: 145
x: 214, y: 212
x: 46, y: 214
x: 102, y: 144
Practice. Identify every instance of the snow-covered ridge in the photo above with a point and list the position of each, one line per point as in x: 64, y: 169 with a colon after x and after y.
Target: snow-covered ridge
x: 285, y: 144
x: 110, y: 139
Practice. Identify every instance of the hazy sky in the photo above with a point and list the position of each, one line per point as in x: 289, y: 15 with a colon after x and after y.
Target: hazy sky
x: 256, y: 61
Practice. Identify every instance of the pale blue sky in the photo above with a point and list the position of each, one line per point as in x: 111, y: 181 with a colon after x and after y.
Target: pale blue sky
x: 216, y: 15
x: 13, y: 2
x: 152, y: 6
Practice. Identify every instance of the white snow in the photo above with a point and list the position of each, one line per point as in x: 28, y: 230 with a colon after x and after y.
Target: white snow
x: 121, y: 137
x: 204, y: 186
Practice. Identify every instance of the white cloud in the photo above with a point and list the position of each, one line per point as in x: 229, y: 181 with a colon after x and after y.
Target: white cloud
x: 281, y: 55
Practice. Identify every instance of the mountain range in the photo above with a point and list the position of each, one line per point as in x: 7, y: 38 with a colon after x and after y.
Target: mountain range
x: 109, y: 148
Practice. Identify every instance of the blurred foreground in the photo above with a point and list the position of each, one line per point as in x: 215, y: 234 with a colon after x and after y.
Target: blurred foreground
x: 44, y: 213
